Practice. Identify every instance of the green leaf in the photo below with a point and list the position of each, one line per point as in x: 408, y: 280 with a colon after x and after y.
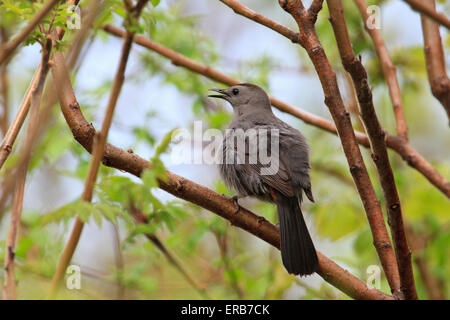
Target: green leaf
x: 164, y: 144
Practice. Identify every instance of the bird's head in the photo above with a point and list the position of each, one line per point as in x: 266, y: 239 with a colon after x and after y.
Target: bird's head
x: 243, y: 95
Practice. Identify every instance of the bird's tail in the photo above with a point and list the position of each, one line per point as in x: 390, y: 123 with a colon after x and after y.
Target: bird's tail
x: 297, y: 249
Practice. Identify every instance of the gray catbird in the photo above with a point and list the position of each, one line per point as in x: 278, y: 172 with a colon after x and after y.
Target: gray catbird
x: 252, y: 110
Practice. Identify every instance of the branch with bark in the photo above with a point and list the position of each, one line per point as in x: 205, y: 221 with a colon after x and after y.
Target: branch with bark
x: 252, y: 15
x: 7, y: 49
x: 422, y: 7
x: 16, y: 125
x: 4, y: 85
x: 309, y: 40
x: 389, y: 71
x: 402, y: 147
x: 435, y: 59
x: 98, y: 149
x: 376, y: 135
x: 19, y: 119
x: 9, y: 288
x: 190, y: 191
x: 140, y: 217
x: 433, y: 285
x: 50, y: 98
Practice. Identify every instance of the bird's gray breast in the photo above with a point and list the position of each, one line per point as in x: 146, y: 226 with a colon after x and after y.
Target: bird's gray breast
x: 238, y: 154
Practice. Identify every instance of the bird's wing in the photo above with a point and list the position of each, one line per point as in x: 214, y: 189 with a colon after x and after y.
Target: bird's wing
x: 276, y: 178
x: 275, y: 175
x: 295, y: 151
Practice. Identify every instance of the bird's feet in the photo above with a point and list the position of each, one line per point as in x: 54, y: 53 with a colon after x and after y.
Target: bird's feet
x: 236, y: 202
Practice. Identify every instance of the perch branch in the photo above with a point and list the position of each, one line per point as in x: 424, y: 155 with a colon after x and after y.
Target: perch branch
x: 13, y: 130
x: 431, y: 283
x: 50, y: 98
x: 190, y: 191
x: 408, y: 153
x: 4, y: 85
x: 252, y: 15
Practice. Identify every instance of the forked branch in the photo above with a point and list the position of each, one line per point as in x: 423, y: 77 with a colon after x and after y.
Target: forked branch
x: 399, y: 145
x: 435, y: 59
x: 333, y: 99
x: 376, y: 134
x: 190, y: 191
x: 422, y: 7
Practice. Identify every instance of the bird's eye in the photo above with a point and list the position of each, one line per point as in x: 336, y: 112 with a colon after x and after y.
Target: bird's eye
x: 235, y: 91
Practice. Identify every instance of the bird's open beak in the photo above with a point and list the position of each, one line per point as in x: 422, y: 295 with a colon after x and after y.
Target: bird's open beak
x: 223, y: 94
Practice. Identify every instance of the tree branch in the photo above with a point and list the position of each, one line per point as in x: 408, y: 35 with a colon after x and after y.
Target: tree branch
x: 435, y: 59
x: 50, y: 97
x: 310, y: 42
x: 409, y: 154
x: 16, y: 125
x: 4, y: 85
x: 118, y: 259
x: 140, y: 217
x: 9, y: 288
x: 389, y: 71
x: 422, y: 7
x: 315, y: 8
x: 97, y: 155
x: 378, y: 146
x: 252, y: 15
x: 222, y: 243
x: 430, y: 281
x: 190, y: 191
x: 8, y: 48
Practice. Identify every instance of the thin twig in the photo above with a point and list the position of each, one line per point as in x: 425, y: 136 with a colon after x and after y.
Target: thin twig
x: 422, y: 7
x: 324, y: 295
x: 8, y: 48
x: 140, y: 217
x: 399, y: 145
x: 222, y: 243
x: 252, y: 15
x: 314, y: 9
x: 389, y: 71
x: 333, y: 172
x: 94, y: 9
x: 16, y: 125
x: 97, y: 156
x: 4, y: 86
x: 352, y: 101
x: 378, y: 146
x: 50, y: 98
x: 435, y: 59
x: 431, y: 283
x: 190, y: 191
x: 118, y: 258
x: 9, y: 288
x: 310, y: 42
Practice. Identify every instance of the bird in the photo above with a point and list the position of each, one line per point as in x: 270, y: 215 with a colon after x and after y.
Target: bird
x: 284, y: 185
